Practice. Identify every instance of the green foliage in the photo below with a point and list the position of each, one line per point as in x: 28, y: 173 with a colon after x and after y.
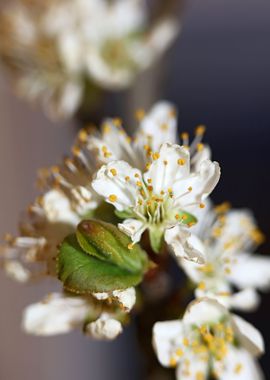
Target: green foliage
x: 98, y: 259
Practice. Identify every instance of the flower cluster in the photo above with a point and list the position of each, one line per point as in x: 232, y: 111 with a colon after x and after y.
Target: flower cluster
x: 108, y: 219
x: 61, y: 53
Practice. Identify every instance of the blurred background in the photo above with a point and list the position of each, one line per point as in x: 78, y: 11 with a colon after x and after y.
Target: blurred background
x: 217, y: 74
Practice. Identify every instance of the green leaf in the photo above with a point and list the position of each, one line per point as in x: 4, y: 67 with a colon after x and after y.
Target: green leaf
x: 102, y: 263
x: 156, y: 239
x: 107, y: 242
x: 126, y: 214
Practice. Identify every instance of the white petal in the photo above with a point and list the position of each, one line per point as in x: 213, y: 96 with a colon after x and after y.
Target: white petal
x: 167, y: 337
x: 246, y: 300
x: 133, y: 228
x: 56, y: 314
x: 104, y: 328
x: 250, y: 338
x: 113, y: 144
x: 57, y: 208
x: 202, y: 184
x: 199, y: 157
x: 258, y: 270
x: 116, y: 182
x: 159, y: 126
x: 185, y: 245
x: 16, y: 271
x: 126, y: 298
x: 238, y: 365
x: 172, y: 163
x: 204, y: 311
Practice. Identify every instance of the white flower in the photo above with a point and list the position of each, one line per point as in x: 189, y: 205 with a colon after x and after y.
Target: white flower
x: 32, y: 255
x: 156, y: 127
x: 56, y: 314
x: 161, y: 197
x: 209, y: 341
x: 227, y: 239
x: 59, y: 314
x: 55, y: 49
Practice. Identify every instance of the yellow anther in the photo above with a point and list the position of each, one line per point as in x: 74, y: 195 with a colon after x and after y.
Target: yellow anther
x: 165, y: 162
x: 200, y: 147
x: 76, y: 150
x: 83, y: 135
x: 162, y: 192
x: 202, y: 286
x: 228, y: 271
x: 222, y: 208
x: 147, y: 166
x: 130, y: 246
x: 55, y: 169
x: 146, y: 147
x: 181, y: 161
x: 112, y: 198
x: 238, y: 368
x: 114, y: 172
x: 106, y: 128
x: 127, y: 178
x: 190, y: 188
x: 150, y: 188
x: 179, y: 352
x: 117, y: 122
x: 200, y: 376
x: 139, y: 183
x: 184, y: 136
x: 200, y: 130
x: 202, y: 205
x: 173, y: 362
x: 185, y: 342
x: 140, y: 114
x: 257, y: 236
x: 207, y: 268
x: 155, y: 156
x: 172, y: 112
x: 176, y: 216
x: 137, y: 175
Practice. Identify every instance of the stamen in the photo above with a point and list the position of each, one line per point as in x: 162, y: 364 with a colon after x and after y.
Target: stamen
x: 113, y: 198
x: 114, y: 172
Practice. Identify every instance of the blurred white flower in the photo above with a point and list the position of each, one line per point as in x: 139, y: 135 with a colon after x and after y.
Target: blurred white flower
x: 59, y: 51
x: 228, y: 238
x: 209, y: 342
x: 160, y: 197
x: 59, y: 314
x: 32, y: 254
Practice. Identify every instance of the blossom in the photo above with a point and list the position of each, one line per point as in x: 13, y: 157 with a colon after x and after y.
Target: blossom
x: 209, y: 341
x: 159, y: 198
x: 32, y: 254
x: 93, y: 45
x: 60, y: 313
x: 155, y: 127
x: 228, y: 238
